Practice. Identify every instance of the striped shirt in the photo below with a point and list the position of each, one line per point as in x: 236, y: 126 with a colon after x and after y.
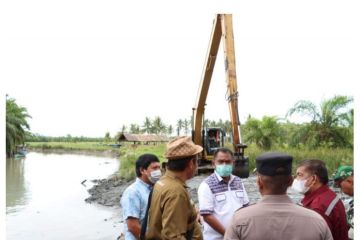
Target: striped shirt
x: 220, y: 199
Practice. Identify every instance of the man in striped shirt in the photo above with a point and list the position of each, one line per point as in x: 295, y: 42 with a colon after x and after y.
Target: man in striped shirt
x: 220, y: 195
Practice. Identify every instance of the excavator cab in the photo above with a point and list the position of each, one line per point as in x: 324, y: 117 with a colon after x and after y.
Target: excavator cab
x: 214, y: 139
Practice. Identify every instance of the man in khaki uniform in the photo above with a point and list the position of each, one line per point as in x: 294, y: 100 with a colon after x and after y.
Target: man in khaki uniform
x: 172, y: 214
x: 275, y: 216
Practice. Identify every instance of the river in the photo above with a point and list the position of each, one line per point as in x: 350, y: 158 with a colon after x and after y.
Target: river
x: 45, y: 198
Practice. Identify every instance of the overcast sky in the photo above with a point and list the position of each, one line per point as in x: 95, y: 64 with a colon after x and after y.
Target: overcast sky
x: 88, y: 67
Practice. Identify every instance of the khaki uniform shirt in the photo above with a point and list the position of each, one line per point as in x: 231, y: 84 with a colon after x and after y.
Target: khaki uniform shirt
x: 172, y: 214
x: 277, y: 217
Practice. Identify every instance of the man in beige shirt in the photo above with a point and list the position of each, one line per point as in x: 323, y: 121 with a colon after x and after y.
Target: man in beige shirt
x: 275, y: 216
x: 172, y: 214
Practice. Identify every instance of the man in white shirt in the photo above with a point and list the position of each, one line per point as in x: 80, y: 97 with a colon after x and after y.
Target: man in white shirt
x: 220, y: 195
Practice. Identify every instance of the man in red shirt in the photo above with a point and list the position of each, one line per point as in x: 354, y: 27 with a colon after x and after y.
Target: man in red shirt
x: 311, y: 180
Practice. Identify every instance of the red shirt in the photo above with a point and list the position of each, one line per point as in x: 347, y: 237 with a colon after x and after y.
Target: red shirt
x: 319, y: 200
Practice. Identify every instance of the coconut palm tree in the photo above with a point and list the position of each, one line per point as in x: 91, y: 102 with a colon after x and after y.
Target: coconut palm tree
x: 264, y: 133
x: 134, y: 128
x: 186, y: 126
x: 147, y: 125
x: 16, y: 124
x: 123, y: 128
x: 107, y: 137
x: 329, y: 125
x: 179, y: 126
x: 170, y: 130
x: 159, y: 126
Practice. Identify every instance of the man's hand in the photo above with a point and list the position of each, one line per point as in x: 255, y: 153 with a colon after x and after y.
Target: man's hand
x: 214, y: 223
x: 134, y: 226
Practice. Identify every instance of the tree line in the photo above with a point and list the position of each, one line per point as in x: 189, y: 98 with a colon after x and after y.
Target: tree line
x: 331, y: 125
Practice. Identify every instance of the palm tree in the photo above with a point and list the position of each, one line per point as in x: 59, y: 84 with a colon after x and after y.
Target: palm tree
x: 264, y: 133
x: 15, y: 125
x: 329, y: 123
x: 179, y: 126
x: 170, y: 130
x: 159, y: 126
x: 186, y: 126
x: 107, y: 137
x: 123, y: 128
x: 206, y: 123
x: 134, y: 128
x: 147, y: 125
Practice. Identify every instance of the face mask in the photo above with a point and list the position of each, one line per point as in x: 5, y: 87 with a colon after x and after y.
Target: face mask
x: 224, y: 170
x: 155, y: 176
x: 299, y: 186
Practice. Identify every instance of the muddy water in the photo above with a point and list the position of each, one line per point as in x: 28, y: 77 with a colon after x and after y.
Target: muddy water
x: 45, y: 198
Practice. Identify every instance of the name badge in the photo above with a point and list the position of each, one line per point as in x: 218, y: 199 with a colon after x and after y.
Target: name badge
x: 239, y: 194
x: 220, y: 197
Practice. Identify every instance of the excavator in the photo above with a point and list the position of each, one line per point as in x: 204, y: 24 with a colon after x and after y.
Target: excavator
x: 212, y: 138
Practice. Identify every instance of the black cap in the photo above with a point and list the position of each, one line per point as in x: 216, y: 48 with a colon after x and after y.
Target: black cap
x: 274, y: 163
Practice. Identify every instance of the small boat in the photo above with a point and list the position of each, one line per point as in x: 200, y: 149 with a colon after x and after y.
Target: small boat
x: 19, y: 156
x: 114, y: 145
x: 21, y: 151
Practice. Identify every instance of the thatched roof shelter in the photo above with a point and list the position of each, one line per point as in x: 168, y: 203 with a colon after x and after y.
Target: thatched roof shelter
x: 142, y: 138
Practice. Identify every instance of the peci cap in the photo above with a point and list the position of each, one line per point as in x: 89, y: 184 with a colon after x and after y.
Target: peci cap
x: 274, y: 163
x: 343, y: 172
x: 181, y: 147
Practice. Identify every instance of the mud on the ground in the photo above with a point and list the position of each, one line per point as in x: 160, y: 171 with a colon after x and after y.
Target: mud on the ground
x: 108, y: 192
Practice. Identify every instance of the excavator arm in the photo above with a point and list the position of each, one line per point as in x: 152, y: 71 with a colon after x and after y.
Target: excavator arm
x: 222, y: 29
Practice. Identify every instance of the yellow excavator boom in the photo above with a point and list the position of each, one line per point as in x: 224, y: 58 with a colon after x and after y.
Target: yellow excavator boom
x: 222, y: 29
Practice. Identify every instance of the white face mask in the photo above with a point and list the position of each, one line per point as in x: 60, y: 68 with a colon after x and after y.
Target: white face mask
x: 155, y: 176
x: 299, y: 186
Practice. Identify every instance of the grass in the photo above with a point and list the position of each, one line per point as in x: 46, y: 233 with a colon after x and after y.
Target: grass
x: 95, y: 146
x: 129, y: 153
x: 333, y: 158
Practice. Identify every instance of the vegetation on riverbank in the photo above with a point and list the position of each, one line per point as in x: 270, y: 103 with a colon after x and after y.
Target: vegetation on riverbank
x: 16, y: 125
x: 333, y: 157
x: 329, y: 136
x: 89, y: 146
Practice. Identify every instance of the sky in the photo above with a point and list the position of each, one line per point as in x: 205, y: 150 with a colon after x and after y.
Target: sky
x: 88, y: 67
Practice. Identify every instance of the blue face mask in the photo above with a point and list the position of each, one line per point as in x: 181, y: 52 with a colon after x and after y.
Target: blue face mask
x: 224, y: 170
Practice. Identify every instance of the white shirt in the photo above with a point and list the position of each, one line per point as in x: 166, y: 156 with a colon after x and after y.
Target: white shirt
x: 220, y: 199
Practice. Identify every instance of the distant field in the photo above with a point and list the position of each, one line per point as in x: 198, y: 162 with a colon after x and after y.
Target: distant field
x: 129, y: 153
